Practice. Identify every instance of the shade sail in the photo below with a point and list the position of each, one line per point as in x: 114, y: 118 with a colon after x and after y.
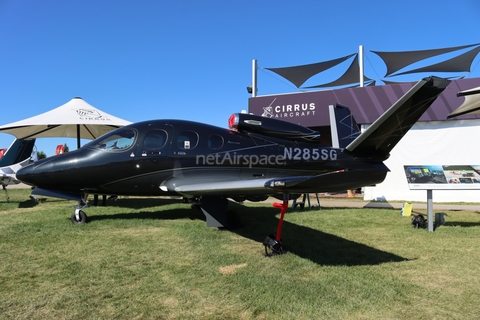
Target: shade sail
x: 299, y: 74
x: 74, y: 119
x: 460, y: 63
x: 400, y: 59
x: 471, y: 105
x: 351, y: 76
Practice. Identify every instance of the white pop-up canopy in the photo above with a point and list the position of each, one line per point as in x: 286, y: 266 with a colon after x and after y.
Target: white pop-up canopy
x: 74, y: 119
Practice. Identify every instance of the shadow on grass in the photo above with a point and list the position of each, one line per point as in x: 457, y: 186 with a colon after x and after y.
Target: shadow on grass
x: 462, y: 224
x: 27, y: 204
x: 136, y: 203
x: 317, y: 246
x: 30, y: 203
x: 133, y: 203
x: 168, y: 214
x: 308, y: 243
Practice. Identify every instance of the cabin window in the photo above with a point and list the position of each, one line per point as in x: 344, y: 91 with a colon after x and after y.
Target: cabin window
x: 187, y: 140
x: 215, y: 142
x: 117, y: 140
x: 155, y: 140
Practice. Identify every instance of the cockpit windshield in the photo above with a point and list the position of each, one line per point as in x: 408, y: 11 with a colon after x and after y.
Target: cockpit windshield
x: 117, y: 140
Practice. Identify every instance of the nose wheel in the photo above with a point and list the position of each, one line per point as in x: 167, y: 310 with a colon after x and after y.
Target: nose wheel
x: 79, y: 217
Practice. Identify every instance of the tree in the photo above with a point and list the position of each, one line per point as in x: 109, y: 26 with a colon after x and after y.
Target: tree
x: 65, y: 148
x: 41, y: 155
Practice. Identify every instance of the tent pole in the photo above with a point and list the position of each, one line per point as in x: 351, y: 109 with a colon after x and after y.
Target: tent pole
x: 78, y: 136
x: 254, y: 78
x: 360, y: 62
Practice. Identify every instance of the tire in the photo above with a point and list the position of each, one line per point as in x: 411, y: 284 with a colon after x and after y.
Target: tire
x: 82, y: 216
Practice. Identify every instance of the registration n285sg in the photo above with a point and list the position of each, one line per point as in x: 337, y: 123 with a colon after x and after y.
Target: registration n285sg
x: 309, y: 154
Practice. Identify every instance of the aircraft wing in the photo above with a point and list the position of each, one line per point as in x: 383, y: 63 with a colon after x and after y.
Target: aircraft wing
x: 227, y: 188
x: 208, y: 188
x: 327, y: 182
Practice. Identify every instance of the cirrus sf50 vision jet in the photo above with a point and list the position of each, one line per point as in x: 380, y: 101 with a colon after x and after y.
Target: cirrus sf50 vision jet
x: 254, y: 158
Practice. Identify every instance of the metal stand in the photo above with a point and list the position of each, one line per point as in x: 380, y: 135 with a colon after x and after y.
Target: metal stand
x: 273, y: 242
x: 306, y: 199
x: 430, y: 210
x: 6, y: 192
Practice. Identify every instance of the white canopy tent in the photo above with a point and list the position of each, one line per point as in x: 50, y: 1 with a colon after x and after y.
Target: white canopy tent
x: 74, y: 119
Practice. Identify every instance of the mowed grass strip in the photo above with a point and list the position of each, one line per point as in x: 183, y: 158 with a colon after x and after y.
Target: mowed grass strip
x: 155, y: 259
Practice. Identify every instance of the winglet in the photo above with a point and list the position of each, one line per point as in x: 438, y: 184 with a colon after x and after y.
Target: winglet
x: 384, y: 134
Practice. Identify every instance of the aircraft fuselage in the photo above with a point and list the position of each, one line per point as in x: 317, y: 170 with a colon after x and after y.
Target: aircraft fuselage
x: 141, y: 159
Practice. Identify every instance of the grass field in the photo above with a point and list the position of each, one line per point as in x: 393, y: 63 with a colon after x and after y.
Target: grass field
x: 155, y: 259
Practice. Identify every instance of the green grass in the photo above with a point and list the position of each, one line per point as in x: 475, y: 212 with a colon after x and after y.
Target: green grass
x: 145, y: 258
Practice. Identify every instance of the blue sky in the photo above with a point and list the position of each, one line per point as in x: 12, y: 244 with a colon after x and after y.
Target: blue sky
x: 141, y: 60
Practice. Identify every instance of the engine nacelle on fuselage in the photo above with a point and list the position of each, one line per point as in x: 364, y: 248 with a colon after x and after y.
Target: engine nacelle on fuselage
x: 272, y: 127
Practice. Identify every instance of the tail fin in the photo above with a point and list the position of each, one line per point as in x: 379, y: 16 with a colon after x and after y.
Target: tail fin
x: 21, y: 149
x: 343, y: 126
x: 384, y: 134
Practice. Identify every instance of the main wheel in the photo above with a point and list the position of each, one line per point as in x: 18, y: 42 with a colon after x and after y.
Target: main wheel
x: 82, y: 218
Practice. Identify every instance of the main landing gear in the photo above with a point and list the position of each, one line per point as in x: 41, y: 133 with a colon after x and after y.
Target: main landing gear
x: 217, y: 215
x: 272, y: 243
x: 6, y: 192
x: 79, y: 217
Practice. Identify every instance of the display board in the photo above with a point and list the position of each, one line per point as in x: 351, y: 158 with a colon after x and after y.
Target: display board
x: 443, y: 177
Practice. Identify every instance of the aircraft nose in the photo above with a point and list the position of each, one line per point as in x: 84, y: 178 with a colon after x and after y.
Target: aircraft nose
x: 25, y: 174
x: 42, y: 173
x: 56, y: 172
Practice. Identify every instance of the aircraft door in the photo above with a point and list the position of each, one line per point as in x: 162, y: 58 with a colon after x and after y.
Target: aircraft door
x: 155, y: 143
x: 151, y: 155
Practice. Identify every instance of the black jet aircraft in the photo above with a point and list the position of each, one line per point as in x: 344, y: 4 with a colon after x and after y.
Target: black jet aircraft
x: 255, y: 158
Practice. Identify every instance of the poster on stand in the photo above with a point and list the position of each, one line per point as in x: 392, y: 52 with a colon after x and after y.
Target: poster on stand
x: 443, y: 177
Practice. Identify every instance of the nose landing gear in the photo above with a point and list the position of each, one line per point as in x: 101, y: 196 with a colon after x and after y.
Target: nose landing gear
x: 79, y: 217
